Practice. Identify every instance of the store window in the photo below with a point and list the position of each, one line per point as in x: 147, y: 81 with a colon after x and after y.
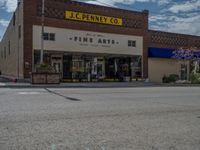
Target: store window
x: 9, y: 47
x: 45, y: 36
x: 49, y: 36
x: 78, y: 65
x: 184, y: 74
x: 131, y: 43
x: 78, y: 68
x: 14, y: 18
x: 19, y: 31
x: 4, y: 52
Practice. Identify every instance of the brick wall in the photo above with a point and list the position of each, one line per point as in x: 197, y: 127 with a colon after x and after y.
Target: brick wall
x: 172, y: 40
x: 134, y: 23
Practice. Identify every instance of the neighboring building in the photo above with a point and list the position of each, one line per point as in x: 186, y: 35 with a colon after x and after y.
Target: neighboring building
x: 161, y: 47
x: 12, y: 48
x: 87, y: 41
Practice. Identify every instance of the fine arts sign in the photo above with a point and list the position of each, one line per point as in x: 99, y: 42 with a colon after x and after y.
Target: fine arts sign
x: 93, y: 40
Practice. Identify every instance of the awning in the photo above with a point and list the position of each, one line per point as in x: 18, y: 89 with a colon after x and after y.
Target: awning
x: 164, y: 53
x: 160, y: 52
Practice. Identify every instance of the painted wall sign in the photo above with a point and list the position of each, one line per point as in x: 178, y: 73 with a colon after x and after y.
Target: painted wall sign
x: 68, y: 40
x: 72, y: 15
x: 94, y: 40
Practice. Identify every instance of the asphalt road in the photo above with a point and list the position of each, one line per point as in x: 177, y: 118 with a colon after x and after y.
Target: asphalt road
x: 157, y: 118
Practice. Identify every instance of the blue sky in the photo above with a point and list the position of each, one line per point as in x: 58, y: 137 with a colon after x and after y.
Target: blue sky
x: 180, y: 16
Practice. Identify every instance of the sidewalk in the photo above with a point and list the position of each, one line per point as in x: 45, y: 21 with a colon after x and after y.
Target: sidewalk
x: 6, y: 83
x: 93, y: 85
x: 79, y: 85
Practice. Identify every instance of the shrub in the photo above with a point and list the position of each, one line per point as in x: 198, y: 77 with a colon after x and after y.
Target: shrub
x: 165, y: 79
x: 173, y: 77
x: 45, y: 68
x: 195, y: 78
x: 170, y: 79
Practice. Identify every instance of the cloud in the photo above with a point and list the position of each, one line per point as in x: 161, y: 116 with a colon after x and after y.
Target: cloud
x: 163, y: 2
x: 113, y: 3
x: 2, y: 4
x: 109, y: 2
x: 177, y: 24
x: 185, y: 7
x: 4, y: 22
x: 156, y: 18
x: 8, y: 5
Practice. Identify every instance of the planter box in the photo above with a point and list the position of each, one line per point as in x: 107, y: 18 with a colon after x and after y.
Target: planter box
x: 45, y: 78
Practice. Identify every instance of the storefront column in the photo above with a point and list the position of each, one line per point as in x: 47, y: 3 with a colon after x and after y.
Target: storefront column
x: 130, y: 69
x: 115, y: 66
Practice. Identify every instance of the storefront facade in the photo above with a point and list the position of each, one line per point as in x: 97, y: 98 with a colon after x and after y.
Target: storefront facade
x: 85, y: 44
x: 90, y: 55
x: 161, y: 59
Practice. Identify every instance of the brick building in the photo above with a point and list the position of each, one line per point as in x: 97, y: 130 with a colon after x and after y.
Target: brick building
x: 86, y: 41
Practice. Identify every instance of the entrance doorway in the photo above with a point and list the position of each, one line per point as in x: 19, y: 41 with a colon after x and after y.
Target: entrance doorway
x: 95, y: 68
x: 56, y: 63
x: 184, y: 72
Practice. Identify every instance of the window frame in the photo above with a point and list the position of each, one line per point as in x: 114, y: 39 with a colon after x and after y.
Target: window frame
x: 49, y: 36
x: 131, y: 43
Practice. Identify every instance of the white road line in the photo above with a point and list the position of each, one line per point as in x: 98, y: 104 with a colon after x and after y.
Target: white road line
x: 2, y: 84
x: 29, y: 93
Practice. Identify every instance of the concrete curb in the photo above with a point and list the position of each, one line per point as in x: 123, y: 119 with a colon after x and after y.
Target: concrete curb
x: 96, y: 85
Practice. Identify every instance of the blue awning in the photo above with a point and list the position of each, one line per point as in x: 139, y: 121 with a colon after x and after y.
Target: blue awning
x: 197, y: 54
x: 164, y: 53
x: 160, y: 52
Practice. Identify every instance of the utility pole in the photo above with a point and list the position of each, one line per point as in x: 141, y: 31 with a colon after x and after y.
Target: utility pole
x: 18, y: 36
x: 42, y: 33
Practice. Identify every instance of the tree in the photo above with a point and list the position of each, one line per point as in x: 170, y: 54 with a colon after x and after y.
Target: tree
x: 191, y: 55
x: 182, y: 54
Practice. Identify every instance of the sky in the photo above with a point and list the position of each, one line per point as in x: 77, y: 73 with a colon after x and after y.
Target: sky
x: 179, y: 16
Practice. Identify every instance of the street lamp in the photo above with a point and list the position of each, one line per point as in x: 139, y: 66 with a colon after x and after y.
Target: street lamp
x: 42, y: 33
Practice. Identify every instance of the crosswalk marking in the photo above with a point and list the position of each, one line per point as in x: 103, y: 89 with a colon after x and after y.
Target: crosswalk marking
x: 29, y: 93
x: 2, y: 84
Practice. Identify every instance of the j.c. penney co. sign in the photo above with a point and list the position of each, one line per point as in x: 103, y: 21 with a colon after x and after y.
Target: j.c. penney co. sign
x: 93, y: 18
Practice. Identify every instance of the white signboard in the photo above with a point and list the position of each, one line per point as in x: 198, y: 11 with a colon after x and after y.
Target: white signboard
x: 85, y: 41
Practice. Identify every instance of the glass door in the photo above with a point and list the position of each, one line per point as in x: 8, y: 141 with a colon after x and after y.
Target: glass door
x: 56, y: 63
x: 184, y: 72
x: 100, y: 68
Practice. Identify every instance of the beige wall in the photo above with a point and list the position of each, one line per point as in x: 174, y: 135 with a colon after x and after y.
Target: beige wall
x: 65, y: 42
x: 160, y: 67
x: 9, y: 64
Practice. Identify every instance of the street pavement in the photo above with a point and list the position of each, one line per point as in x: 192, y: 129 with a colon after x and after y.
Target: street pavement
x: 145, y: 118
